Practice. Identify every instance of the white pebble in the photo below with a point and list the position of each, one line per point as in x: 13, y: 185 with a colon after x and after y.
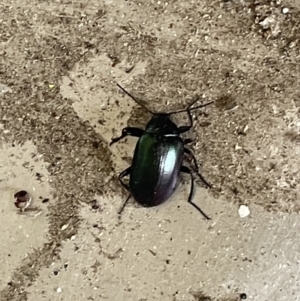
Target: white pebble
x: 285, y: 10
x: 64, y: 227
x: 243, y: 211
x: 59, y: 290
x: 267, y: 22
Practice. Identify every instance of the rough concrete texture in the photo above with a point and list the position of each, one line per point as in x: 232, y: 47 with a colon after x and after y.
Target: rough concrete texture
x: 60, y: 107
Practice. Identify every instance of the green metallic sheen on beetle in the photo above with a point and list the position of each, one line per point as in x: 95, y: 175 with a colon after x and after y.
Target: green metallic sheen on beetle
x: 158, y: 159
x: 156, y: 163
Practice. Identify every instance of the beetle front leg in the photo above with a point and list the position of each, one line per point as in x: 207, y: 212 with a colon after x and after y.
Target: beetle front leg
x: 188, y: 171
x: 186, y: 128
x: 128, y: 131
x: 187, y: 141
x: 192, y: 156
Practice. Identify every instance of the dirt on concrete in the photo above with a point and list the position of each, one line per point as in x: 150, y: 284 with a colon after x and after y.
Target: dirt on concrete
x: 60, y: 107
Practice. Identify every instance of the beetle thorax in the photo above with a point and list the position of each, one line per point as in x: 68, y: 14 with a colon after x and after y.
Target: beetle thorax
x: 161, y: 124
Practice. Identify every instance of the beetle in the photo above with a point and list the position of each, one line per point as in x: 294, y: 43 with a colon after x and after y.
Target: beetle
x: 158, y: 158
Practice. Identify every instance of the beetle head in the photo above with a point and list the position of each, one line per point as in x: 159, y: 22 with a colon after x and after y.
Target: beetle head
x: 161, y: 124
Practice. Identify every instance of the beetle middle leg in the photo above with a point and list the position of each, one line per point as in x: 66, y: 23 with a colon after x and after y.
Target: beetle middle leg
x: 188, y: 171
x: 192, y: 156
x: 128, y: 131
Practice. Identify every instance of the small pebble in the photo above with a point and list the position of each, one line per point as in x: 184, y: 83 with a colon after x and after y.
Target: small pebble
x: 64, y: 227
x: 267, y: 22
x: 22, y: 199
x: 285, y: 10
x: 59, y: 290
x: 244, y: 211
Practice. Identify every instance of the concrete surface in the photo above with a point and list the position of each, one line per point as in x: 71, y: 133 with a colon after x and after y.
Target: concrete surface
x: 60, y: 107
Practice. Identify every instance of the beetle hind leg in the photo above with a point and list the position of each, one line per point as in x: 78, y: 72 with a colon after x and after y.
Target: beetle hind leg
x: 188, y: 171
x: 123, y: 206
x: 123, y: 174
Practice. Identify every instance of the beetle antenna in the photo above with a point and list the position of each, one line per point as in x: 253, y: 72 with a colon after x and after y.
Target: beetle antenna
x: 188, y: 108
x: 135, y: 99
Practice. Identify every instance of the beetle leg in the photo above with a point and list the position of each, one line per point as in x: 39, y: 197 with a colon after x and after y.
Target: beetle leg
x: 186, y: 128
x: 123, y: 174
x: 188, y: 171
x: 128, y: 131
x: 124, y: 205
x: 188, y: 152
x: 187, y: 141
